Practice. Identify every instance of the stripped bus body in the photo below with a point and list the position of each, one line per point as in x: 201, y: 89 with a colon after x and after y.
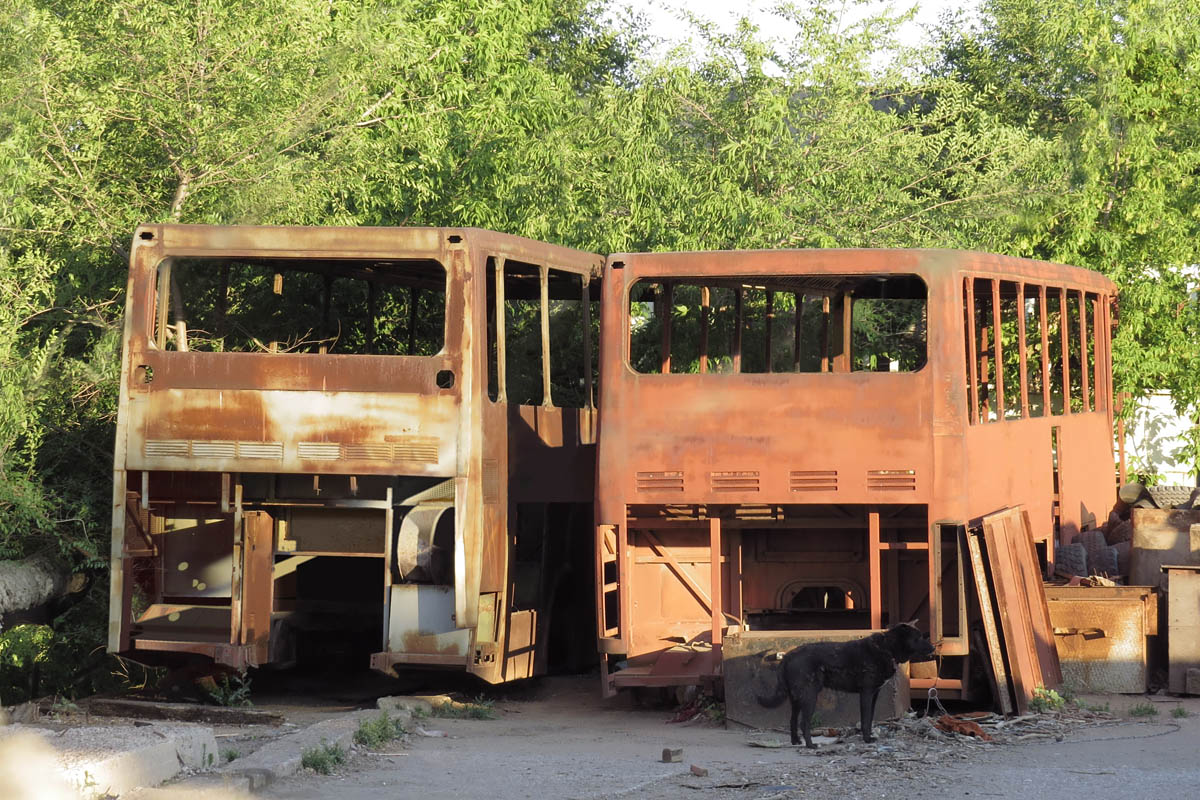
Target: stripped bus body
x: 795, y: 442
x: 315, y: 460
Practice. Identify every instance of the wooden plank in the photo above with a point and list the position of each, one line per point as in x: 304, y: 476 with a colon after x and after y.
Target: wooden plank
x: 1013, y: 610
x: 1021, y: 600
x: 180, y: 712
x: 1043, y: 628
x: 999, y: 672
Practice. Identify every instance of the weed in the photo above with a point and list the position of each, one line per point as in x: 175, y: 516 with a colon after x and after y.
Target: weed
x: 232, y: 691
x: 229, y: 754
x: 1179, y: 712
x: 379, y: 730
x: 1096, y: 708
x: 714, y: 710
x: 324, y: 758
x: 479, y: 708
x: 1046, y: 700
x: 420, y: 712
x: 1143, y: 710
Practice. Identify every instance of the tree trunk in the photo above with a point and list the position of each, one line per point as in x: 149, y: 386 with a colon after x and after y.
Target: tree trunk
x: 32, y: 582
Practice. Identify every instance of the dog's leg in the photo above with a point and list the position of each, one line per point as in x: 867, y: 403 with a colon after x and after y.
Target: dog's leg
x: 866, y: 707
x: 808, y: 706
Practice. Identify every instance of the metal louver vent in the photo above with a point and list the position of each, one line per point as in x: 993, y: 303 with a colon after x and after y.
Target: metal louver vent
x: 214, y: 449
x: 892, y: 480
x: 165, y: 448
x: 368, y: 452
x: 423, y: 450
x: 734, y: 481
x: 660, y: 481
x: 813, y: 480
x: 273, y: 450
x: 319, y: 451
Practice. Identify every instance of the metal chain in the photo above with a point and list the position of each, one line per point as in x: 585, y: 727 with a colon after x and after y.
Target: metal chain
x: 932, y: 697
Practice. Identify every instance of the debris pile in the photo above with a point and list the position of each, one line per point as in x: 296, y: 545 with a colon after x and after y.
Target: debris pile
x: 1107, y: 552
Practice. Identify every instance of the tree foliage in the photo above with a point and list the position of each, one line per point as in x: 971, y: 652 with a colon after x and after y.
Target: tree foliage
x: 1113, y: 86
x: 1057, y: 129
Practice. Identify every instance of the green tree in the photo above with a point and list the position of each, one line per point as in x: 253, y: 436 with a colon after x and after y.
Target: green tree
x: 1114, y: 87
x: 452, y: 112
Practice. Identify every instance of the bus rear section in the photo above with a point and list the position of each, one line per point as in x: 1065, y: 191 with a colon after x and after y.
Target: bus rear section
x: 785, y: 458
x: 305, y: 468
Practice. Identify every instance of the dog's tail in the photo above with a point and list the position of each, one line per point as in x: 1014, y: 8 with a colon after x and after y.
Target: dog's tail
x: 773, y: 701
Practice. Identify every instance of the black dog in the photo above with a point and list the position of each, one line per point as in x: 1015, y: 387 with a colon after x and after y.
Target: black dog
x: 862, y: 666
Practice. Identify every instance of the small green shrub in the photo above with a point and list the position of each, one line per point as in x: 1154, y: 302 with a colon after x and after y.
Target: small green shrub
x: 1179, y: 712
x: 232, y: 691
x: 379, y: 730
x: 324, y: 758
x: 1046, y: 700
x: 1143, y: 710
x: 229, y: 754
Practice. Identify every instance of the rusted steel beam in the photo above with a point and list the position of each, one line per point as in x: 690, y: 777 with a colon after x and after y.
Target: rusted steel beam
x: 972, y: 349
x: 998, y: 344
x: 1064, y: 327
x: 704, y: 312
x: 501, y: 352
x: 714, y: 548
x: 1083, y: 351
x: 544, y: 294
x: 585, y: 283
x: 1023, y: 350
x: 1046, y: 393
x: 873, y: 553
x: 668, y: 299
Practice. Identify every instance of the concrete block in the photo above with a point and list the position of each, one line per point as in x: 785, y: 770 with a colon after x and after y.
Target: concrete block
x: 113, y: 759
x: 402, y: 703
x: 281, y: 757
x: 671, y: 755
x: 1191, y: 683
x: 748, y: 676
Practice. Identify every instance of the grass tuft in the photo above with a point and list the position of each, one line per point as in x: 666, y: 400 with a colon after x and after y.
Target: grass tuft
x: 1179, y: 712
x: 324, y: 758
x: 376, y: 731
x: 1143, y: 710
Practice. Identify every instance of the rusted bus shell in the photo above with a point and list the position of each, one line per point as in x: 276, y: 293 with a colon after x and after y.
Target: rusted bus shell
x: 192, y: 426
x: 688, y: 461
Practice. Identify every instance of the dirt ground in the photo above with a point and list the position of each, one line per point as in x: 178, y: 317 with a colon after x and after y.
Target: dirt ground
x: 556, y: 738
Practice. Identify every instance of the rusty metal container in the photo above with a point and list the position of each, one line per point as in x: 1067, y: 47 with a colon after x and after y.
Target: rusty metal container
x: 1101, y: 634
x: 1183, y: 627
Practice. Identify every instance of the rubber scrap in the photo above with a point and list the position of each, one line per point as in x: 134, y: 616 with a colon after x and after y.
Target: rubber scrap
x: 952, y: 724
